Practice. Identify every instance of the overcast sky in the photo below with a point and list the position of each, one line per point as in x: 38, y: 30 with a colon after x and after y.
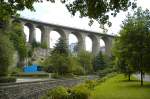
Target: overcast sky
x: 58, y: 14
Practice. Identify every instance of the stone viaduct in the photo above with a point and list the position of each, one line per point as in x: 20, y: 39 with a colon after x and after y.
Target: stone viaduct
x: 64, y: 32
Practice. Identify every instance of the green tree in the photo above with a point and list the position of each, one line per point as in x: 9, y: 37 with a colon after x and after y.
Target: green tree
x: 60, y: 63
x: 85, y: 59
x: 17, y: 37
x: 61, y: 47
x: 6, y: 57
x: 120, y: 59
x: 133, y: 44
x: 98, y: 9
x: 59, y: 60
x: 99, y: 62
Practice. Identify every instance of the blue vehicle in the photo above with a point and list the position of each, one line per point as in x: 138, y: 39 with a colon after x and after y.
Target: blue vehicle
x: 32, y: 68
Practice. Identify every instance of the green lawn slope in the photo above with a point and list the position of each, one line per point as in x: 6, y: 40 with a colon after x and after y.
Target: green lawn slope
x: 118, y: 87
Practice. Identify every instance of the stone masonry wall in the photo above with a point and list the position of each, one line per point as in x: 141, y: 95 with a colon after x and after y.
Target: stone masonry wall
x: 32, y: 90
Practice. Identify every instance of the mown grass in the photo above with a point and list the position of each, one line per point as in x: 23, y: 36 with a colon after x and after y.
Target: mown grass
x: 118, y: 87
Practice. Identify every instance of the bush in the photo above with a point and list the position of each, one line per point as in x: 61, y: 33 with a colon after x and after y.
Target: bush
x: 55, y: 75
x: 57, y: 93
x: 14, y: 70
x: 77, y: 92
x: 78, y: 70
x: 6, y: 57
x: 44, y: 45
x: 7, y: 79
x: 76, y: 67
x: 67, y: 75
x: 106, y: 71
x: 85, y: 59
x: 59, y: 63
x: 80, y: 92
x: 90, y: 84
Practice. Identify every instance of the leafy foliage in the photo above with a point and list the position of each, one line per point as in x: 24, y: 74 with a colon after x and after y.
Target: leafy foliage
x: 77, y: 92
x: 6, y: 57
x: 61, y: 47
x: 133, y: 45
x: 98, y: 9
x: 99, y: 62
x: 85, y: 59
x: 94, y: 9
x: 10, y: 7
x: 18, y: 38
x: 57, y: 93
x: 80, y: 92
x: 7, y: 79
x: 59, y: 61
x: 76, y: 66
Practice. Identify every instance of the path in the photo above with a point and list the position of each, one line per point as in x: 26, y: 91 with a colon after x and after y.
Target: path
x: 146, y: 77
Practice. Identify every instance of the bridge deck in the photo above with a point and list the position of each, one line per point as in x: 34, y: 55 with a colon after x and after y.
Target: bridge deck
x: 64, y: 27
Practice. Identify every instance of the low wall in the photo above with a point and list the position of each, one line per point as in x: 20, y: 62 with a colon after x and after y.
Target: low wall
x: 33, y: 90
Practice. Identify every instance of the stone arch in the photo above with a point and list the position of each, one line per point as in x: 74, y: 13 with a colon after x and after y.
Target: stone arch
x: 107, y: 44
x: 88, y: 43
x: 95, y: 43
x: 102, y: 45
x: 79, y: 41
x: 31, y: 32
x: 59, y: 33
x: 26, y: 32
x: 39, y: 31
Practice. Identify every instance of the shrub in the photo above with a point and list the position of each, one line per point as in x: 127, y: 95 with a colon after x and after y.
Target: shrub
x: 59, y: 63
x: 76, y: 67
x: 80, y: 92
x: 6, y: 54
x: 99, y: 62
x: 14, y: 70
x: 106, y: 71
x: 44, y: 45
x: 85, y: 59
x: 90, y: 84
x: 55, y: 75
x: 78, y: 70
x: 59, y: 92
x: 7, y: 79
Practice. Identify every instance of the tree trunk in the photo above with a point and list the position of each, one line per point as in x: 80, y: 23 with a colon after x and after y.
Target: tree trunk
x: 141, y: 78
x: 129, y: 74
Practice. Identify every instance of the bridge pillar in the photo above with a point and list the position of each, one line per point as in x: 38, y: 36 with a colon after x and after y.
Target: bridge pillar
x: 108, y: 45
x: 66, y: 36
x: 31, y: 34
x: 45, y: 36
x: 81, y: 42
x: 96, y: 45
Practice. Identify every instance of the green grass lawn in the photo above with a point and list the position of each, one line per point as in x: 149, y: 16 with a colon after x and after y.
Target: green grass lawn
x: 119, y: 87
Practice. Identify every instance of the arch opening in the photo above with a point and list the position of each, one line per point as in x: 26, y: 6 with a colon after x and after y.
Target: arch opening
x: 102, y: 46
x: 38, y: 35
x: 88, y: 44
x: 53, y: 38
x: 26, y: 32
x: 73, y: 43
